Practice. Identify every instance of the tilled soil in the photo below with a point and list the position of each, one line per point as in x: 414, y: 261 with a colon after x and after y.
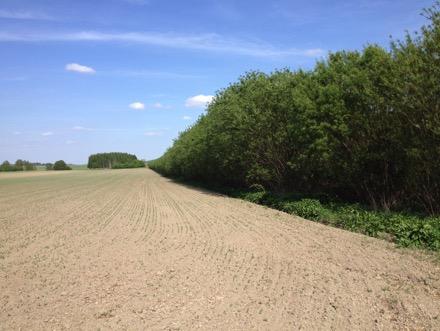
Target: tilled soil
x: 128, y: 249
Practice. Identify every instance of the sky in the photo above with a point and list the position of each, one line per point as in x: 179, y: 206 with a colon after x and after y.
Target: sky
x: 82, y: 77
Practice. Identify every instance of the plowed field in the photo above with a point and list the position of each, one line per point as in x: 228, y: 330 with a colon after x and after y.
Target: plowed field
x: 128, y: 249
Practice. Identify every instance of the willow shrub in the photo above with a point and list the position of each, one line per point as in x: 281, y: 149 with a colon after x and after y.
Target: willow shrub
x: 362, y: 126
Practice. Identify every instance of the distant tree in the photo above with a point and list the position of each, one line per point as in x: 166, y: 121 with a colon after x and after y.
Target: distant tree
x: 6, y: 166
x: 19, y: 165
x: 61, y: 165
x: 29, y: 166
x: 49, y: 166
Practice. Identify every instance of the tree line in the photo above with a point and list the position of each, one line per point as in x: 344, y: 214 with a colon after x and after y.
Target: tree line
x: 23, y: 165
x: 362, y: 126
x: 19, y: 165
x: 114, y: 160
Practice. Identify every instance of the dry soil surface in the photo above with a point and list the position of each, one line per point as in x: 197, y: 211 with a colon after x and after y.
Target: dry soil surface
x: 128, y: 249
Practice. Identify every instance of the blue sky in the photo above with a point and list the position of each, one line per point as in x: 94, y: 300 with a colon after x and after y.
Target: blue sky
x: 80, y: 77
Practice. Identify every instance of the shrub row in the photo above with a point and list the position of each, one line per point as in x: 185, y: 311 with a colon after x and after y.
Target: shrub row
x: 363, y: 126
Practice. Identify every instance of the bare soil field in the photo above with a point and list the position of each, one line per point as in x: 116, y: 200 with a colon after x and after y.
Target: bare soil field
x: 129, y: 249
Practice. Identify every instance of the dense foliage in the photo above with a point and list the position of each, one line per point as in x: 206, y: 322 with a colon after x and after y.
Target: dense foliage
x: 114, y: 161
x: 362, y: 126
x: 20, y: 165
x: 404, y: 229
x: 60, y: 165
x: 131, y: 164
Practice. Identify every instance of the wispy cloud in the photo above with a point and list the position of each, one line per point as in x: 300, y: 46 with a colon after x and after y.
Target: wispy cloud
x: 86, y: 129
x: 23, y: 15
x: 79, y: 68
x: 186, y: 118
x: 203, y: 42
x: 70, y: 142
x: 198, y: 101
x: 137, y: 106
x: 48, y: 133
x: 158, y: 105
x: 81, y: 128
x: 14, y: 79
x: 137, y: 2
x: 150, y: 74
x: 153, y: 133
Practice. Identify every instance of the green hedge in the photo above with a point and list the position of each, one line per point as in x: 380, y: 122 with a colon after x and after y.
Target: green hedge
x: 362, y: 126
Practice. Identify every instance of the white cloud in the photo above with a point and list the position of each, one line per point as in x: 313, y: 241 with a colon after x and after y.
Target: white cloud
x: 16, y: 133
x: 186, y: 118
x: 137, y: 105
x: 23, y: 15
x: 70, y: 142
x: 198, y: 101
x: 49, y: 133
x: 205, y: 42
x: 153, y: 133
x: 79, y: 68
